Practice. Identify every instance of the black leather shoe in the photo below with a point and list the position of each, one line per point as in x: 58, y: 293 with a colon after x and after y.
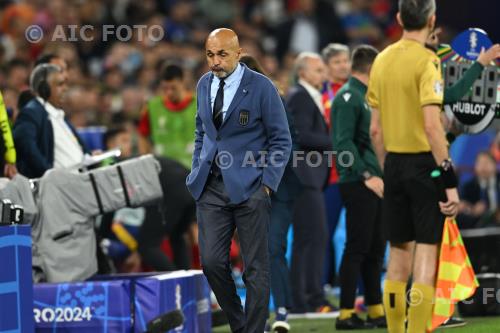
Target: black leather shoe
x: 453, y: 322
x: 352, y: 323
x: 219, y: 318
x: 378, y: 322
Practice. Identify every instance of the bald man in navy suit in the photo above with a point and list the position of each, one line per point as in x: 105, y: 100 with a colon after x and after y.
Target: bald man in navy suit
x: 242, y: 145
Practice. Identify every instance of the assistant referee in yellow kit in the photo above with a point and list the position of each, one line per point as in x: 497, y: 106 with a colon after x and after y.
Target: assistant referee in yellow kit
x: 405, y: 92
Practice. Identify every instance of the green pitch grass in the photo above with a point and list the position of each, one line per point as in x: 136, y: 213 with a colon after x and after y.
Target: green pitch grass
x: 474, y: 325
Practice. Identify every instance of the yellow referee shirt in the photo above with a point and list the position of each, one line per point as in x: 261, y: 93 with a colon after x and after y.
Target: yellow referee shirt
x: 405, y: 77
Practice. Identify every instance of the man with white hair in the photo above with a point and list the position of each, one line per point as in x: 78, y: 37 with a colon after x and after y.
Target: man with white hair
x: 310, y: 231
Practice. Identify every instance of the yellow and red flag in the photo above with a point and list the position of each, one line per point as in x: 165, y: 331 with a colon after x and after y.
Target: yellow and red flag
x: 456, y: 280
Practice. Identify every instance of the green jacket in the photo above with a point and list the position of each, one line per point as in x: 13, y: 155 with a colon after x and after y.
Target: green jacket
x: 350, y: 118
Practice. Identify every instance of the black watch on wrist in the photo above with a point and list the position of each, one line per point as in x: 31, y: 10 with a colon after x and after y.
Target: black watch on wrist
x: 448, y: 175
x: 367, y: 175
x: 447, y: 164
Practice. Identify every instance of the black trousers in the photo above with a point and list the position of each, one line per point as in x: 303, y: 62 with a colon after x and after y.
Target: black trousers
x: 365, y: 246
x: 334, y: 205
x: 217, y: 221
x: 310, y: 234
x: 178, y: 216
x: 172, y: 217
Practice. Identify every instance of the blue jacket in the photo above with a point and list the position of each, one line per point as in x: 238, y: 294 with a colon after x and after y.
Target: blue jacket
x: 255, y: 122
x: 34, y: 140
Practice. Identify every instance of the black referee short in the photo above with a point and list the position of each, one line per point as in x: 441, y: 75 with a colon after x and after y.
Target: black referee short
x: 410, y: 206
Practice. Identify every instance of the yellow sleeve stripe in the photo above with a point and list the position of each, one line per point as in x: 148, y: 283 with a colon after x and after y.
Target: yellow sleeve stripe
x: 124, y: 236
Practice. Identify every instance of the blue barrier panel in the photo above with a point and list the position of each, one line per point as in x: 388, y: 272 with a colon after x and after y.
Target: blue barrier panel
x: 97, y: 306
x: 203, y: 306
x: 16, y: 287
x: 185, y: 290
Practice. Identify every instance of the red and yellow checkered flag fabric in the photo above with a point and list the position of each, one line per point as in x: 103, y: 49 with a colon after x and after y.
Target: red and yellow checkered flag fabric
x: 456, y: 280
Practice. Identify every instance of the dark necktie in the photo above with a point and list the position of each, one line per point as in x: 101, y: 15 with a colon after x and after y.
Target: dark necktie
x: 218, y: 104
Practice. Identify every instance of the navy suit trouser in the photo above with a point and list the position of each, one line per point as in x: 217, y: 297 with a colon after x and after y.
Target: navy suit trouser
x: 308, y: 254
x: 281, y: 218
x: 217, y: 221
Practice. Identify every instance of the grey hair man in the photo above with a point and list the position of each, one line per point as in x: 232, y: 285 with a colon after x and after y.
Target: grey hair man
x: 336, y: 58
x: 43, y: 136
x: 338, y: 63
x: 407, y: 76
x: 310, y: 234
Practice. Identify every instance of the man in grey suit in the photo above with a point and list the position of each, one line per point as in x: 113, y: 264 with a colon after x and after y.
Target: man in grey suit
x: 242, y: 145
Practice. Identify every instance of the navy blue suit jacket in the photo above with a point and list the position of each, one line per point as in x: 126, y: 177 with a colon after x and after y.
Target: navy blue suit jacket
x: 312, y: 137
x: 34, y: 140
x: 255, y: 122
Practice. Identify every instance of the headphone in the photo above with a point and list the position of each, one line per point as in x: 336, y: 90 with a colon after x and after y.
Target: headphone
x: 38, y: 79
x: 43, y: 88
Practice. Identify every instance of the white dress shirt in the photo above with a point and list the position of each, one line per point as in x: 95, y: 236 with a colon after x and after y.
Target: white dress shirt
x: 67, y: 150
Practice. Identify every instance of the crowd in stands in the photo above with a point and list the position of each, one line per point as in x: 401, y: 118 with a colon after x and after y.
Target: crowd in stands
x: 107, y: 78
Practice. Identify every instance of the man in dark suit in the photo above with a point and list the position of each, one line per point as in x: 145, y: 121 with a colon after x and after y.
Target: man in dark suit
x: 240, y: 118
x: 480, y: 196
x: 309, y: 225
x: 42, y: 135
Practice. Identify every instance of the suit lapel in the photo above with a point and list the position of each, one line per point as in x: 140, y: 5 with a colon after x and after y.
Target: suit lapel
x: 47, y: 135
x: 240, y: 93
x: 208, y: 104
x: 317, y: 110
